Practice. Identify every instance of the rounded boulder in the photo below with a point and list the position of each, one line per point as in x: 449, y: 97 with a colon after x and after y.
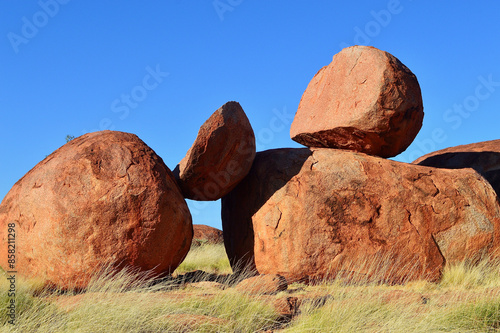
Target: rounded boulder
x: 365, y: 100
x: 104, y: 200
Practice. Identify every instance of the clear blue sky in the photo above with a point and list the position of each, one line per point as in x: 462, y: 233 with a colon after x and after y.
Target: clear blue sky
x: 67, y: 67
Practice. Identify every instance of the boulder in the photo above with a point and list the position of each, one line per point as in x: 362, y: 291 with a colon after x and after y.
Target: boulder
x: 310, y: 214
x: 484, y: 157
x: 220, y: 157
x: 365, y: 100
x: 266, y: 284
x: 103, y: 200
x: 206, y: 234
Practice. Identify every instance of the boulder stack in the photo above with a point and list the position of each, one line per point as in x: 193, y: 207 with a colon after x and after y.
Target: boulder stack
x: 337, y: 208
x: 333, y: 210
x: 311, y: 214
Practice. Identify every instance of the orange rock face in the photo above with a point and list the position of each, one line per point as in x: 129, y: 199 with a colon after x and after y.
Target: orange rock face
x: 220, y: 157
x: 484, y: 157
x: 206, y: 234
x: 104, y: 198
x: 365, y: 100
x: 308, y: 214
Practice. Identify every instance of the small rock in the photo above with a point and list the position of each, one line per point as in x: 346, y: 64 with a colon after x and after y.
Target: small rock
x: 287, y: 306
x: 265, y: 284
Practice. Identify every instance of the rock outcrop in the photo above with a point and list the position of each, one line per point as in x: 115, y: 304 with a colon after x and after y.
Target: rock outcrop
x: 206, y: 234
x: 365, y: 100
x: 104, y: 199
x: 484, y: 157
x: 220, y: 157
x: 309, y: 214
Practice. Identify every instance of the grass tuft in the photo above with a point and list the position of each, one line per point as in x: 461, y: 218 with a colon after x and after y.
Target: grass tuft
x: 210, y: 258
x: 483, y: 316
x: 467, y: 299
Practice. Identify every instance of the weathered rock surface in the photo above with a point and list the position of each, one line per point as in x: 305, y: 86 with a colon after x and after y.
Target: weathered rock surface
x: 307, y: 214
x: 220, y: 157
x: 266, y: 284
x: 206, y: 234
x: 484, y: 157
x: 365, y: 100
x: 104, y: 198
x: 287, y: 307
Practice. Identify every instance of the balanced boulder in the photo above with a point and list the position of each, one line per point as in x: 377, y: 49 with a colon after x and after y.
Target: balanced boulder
x: 104, y: 200
x: 365, y: 100
x: 484, y: 157
x: 309, y: 214
x: 220, y: 157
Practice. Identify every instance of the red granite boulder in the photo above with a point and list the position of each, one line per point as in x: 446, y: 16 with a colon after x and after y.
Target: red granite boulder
x: 220, y: 157
x: 484, y: 157
x: 104, y: 199
x: 365, y: 100
x: 309, y: 214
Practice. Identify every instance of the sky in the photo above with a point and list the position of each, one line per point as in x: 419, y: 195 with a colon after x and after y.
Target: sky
x: 159, y: 69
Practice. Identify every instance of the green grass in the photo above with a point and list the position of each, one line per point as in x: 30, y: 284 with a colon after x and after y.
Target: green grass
x: 124, y: 302
x: 210, y: 258
x: 483, y: 316
x: 466, y: 275
x: 467, y: 299
x: 361, y: 310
